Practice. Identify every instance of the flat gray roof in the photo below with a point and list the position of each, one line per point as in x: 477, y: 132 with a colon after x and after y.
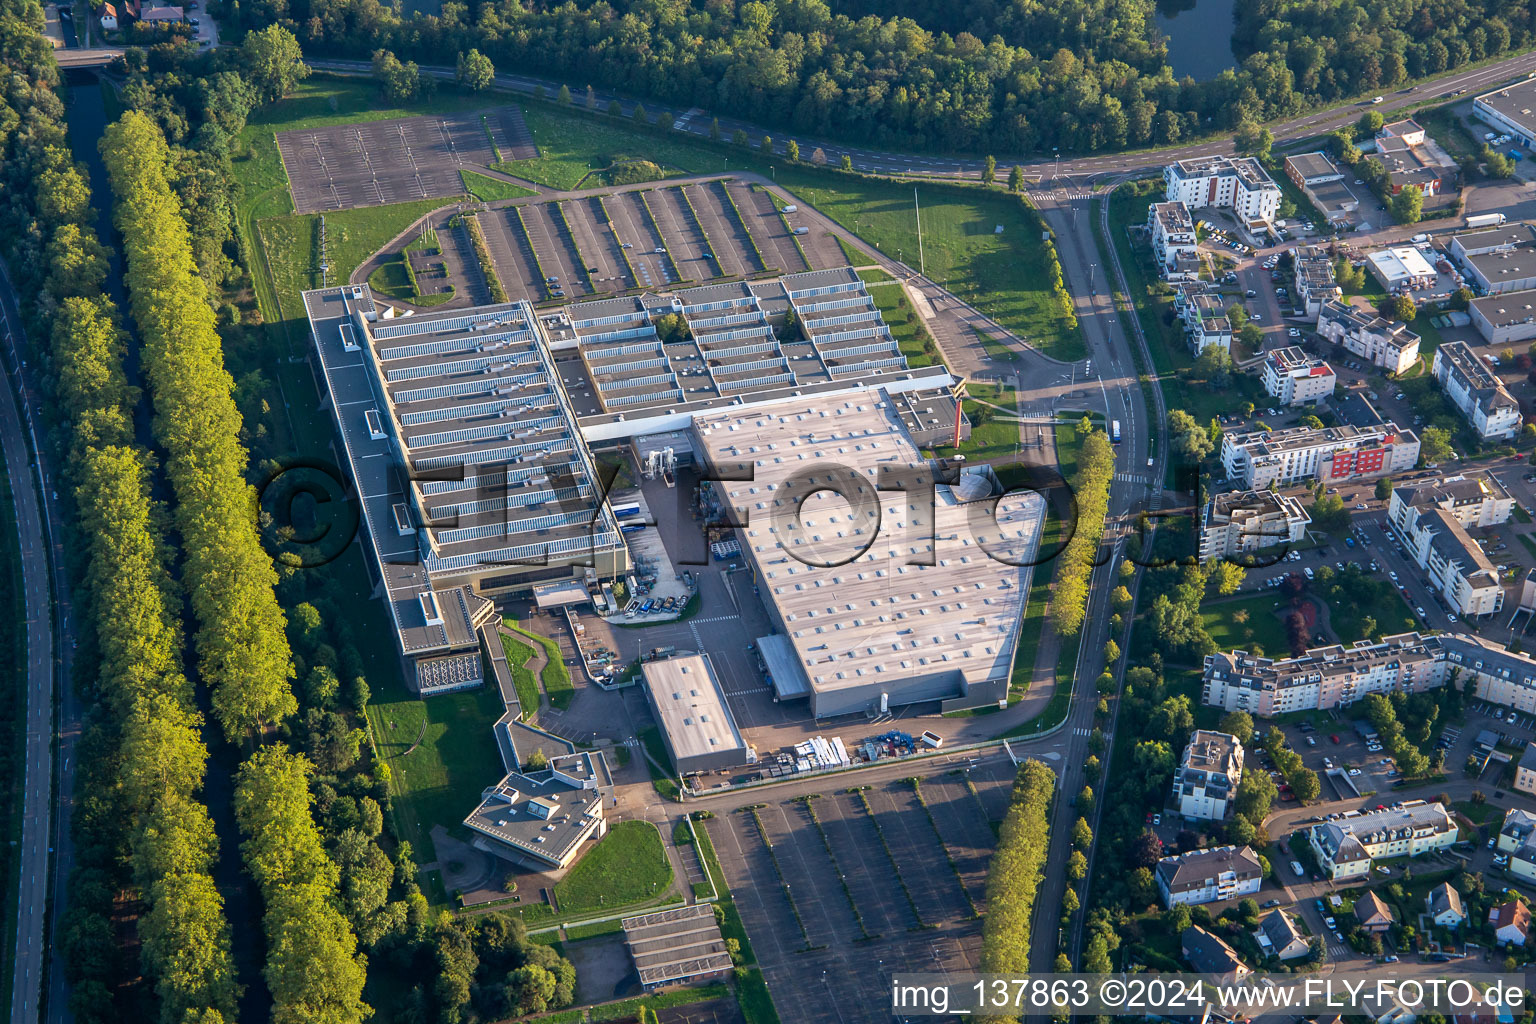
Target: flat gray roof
x: 687, y: 697
x: 1508, y: 308
x: 546, y: 813
x: 1516, y: 103
x: 1514, y: 264
x: 1311, y: 165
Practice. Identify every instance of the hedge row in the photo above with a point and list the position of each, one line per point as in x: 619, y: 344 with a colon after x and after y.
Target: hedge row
x: 483, y: 255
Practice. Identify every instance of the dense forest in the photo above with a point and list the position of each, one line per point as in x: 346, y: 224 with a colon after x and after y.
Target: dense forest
x: 1014, y: 77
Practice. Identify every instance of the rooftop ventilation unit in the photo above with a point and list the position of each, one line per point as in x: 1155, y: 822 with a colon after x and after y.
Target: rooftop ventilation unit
x: 375, y: 424
x: 430, y: 608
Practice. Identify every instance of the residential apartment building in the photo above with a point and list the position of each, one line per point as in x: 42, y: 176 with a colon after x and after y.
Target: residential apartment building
x: 1475, y: 391
x: 1457, y: 567
x: 1499, y: 259
x: 1432, y: 520
x: 1203, y: 876
x: 1240, y: 184
x: 1525, y: 770
x: 1505, y: 318
x: 1172, y: 230
x: 1295, y: 378
x: 1413, y: 159
x: 1347, y: 844
x: 1517, y: 837
x: 1476, y: 500
x: 1242, y: 522
x: 1384, y: 343
x: 1337, y: 676
x: 1205, y: 783
x: 1313, y: 280
x: 1331, y: 454
x: 1204, y: 317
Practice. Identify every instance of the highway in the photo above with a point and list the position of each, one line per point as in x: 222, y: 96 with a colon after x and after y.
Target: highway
x: 47, y: 661
x: 1039, y: 169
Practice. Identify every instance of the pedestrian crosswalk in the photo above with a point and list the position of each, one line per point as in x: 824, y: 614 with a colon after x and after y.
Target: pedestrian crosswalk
x: 1063, y: 194
x: 1082, y: 731
x: 1131, y: 478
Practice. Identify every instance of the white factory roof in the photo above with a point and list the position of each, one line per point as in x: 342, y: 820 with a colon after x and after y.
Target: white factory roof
x: 692, y: 707
x: 856, y: 604
x: 1401, y: 262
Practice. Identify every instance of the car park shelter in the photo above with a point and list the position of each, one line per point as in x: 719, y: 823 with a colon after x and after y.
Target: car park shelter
x: 671, y: 946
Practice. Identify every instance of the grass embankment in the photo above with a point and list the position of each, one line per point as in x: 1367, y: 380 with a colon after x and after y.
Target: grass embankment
x: 518, y: 654
x: 489, y: 190
x: 554, y: 675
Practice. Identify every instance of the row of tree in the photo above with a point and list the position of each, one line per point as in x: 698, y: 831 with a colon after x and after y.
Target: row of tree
x: 1014, y: 876
x: 982, y: 76
x: 243, y: 654
x: 139, y: 824
x: 313, y: 968
x: 1095, y: 469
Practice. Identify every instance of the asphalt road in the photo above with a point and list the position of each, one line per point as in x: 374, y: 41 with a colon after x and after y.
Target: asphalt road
x: 41, y: 830
x: 697, y: 122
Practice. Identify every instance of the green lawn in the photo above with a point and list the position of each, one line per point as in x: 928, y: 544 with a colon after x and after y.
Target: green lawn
x: 289, y: 247
x: 1477, y: 813
x: 554, y: 675
x: 518, y: 654
x: 855, y: 256
x: 1390, y: 611
x: 995, y: 347
x: 753, y: 997
x: 574, y: 145
x: 488, y: 189
x: 1264, y: 627
x: 390, y: 279
x: 628, y: 865
x: 1006, y: 275
x: 441, y: 754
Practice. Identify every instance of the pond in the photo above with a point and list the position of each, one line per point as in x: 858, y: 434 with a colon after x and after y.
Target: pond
x: 1199, y: 36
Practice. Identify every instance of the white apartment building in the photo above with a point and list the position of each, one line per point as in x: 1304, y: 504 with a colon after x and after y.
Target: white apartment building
x: 1432, y: 520
x: 1337, y: 676
x: 1331, y: 454
x: 1517, y: 837
x: 1313, y: 280
x: 1295, y: 378
x: 1347, y: 844
x: 1476, y: 500
x: 1204, y: 317
x: 1379, y: 341
x: 1205, y: 784
x: 1203, y: 876
x: 1240, y: 184
x: 1525, y: 770
x: 1172, y: 230
x: 1475, y: 391
x: 1242, y: 522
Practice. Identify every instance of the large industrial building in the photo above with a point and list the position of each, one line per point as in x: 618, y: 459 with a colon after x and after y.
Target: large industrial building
x: 468, y: 433
x: 891, y: 586
x: 1337, y: 676
x: 1330, y: 454
x: 1511, y: 110
x: 696, y: 723
x: 467, y: 462
x: 1497, y: 259
x: 1506, y: 318
x: 541, y: 818
x: 1478, y: 395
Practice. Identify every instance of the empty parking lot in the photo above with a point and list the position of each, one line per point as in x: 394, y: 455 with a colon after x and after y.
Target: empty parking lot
x: 828, y: 951
x: 372, y: 163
